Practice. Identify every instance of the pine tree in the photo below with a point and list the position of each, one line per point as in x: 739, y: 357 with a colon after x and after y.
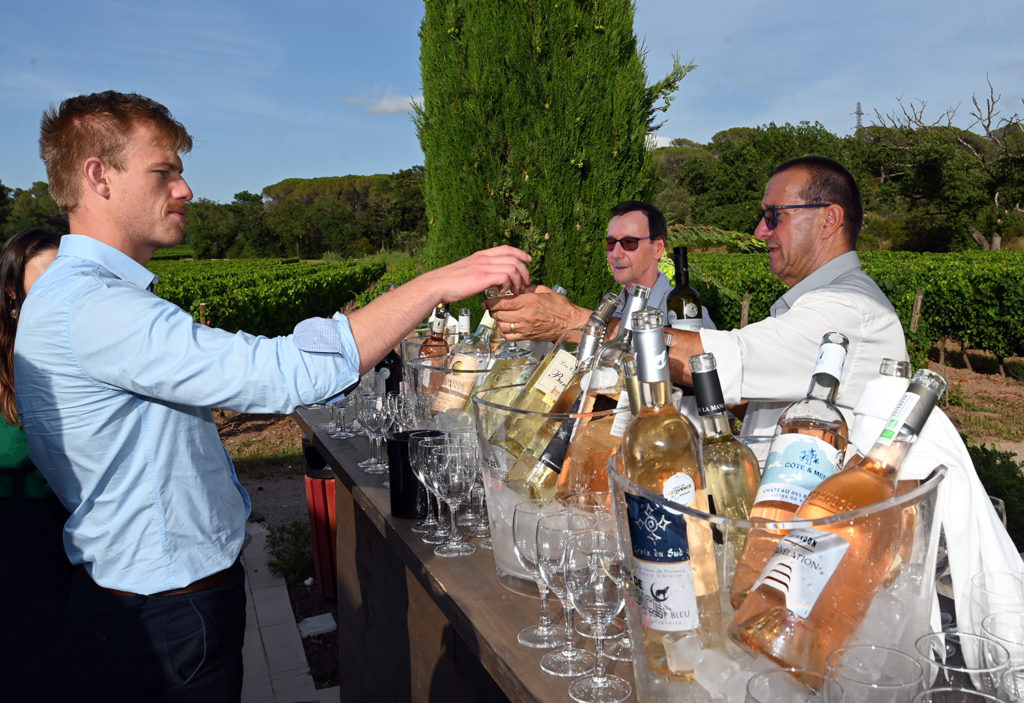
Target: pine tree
x: 534, y: 124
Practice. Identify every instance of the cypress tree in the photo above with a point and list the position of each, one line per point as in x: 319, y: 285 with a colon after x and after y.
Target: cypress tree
x: 534, y: 123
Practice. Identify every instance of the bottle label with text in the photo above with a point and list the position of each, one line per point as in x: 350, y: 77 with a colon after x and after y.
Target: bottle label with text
x: 796, y: 464
x: 801, y: 567
x: 558, y: 374
x: 662, y: 574
x: 457, y: 386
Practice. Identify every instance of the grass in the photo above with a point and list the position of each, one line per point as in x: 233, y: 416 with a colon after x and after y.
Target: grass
x: 291, y: 551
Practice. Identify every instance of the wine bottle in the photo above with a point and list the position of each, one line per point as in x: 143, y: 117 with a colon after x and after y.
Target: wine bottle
x: 730, y: 467
x: 434, y: 347
x: 673, y: 554
x: 881, y: 392
x: 391, y: 369
x: 605, y: 386
x: 471, y: 355
x: 464, y: 323
x: 538, y: 396
x: 683, y: 302
x: 834, y: 571
x: 808, y: 445
x: 542, y: 458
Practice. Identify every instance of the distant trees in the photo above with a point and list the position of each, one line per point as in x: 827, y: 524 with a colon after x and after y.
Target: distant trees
x: 534, y: 123
x: 307, y: 217
x: 34, y: 207
x: 927, y: 185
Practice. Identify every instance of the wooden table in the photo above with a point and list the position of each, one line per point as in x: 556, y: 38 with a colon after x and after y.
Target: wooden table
x: 416, y: 627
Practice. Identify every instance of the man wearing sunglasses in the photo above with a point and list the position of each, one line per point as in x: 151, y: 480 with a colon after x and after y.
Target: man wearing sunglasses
x: 811, y: 216
x: 635, y: 242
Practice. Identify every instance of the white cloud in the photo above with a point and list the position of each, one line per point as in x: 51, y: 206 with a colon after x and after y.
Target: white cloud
x: 392, y: 104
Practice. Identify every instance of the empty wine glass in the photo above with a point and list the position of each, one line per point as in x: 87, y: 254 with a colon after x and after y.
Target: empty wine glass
x: 598, y: 505
x: 525, y: 515
x: 340, y: 412
x: 372, y: 415
x: 428, y: 457
x: 976, y: 662
x: 873, y: 674
x: 593, y: 579
x: 1007, y: 628
x: 992, y: 592
x: 418, y: 446
x: 451, y: 474
x: 791, y: 685
x: 553, y: 534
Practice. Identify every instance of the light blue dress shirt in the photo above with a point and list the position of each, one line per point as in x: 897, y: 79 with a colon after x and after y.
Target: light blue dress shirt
x: 114, y: 387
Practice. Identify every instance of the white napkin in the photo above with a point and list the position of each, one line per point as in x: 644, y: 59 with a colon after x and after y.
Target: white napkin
x: 975, y: 537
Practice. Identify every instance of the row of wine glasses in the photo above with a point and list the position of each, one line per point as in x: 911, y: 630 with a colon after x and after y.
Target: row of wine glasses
x: 572, y: 550
x: 448, y: 465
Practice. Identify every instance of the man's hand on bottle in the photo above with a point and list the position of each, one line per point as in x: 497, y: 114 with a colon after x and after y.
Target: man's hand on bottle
x: 538, y: 313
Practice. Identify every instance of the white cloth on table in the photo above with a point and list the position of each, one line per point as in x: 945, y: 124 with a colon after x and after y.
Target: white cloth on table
x: 769, y: 363
x: 976, y: 539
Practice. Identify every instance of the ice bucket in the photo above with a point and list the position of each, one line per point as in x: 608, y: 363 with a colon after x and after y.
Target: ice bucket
x: 898, y: 615
x: 502, y: 488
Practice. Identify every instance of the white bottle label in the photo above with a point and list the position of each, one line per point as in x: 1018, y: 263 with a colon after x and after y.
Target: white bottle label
x: 662, y: 574
x: 796, y: 464
x: 801, y: 567
x: 623, y: 417
x: 557, y: 375
x: 830, y: 360
x: 679, y: 488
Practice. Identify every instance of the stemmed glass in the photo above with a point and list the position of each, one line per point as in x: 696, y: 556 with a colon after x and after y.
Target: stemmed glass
x: 421, y: 443
x: 339, y: 419
x: 451, y: 473
x: 373, y: 416
x: 976, y: 662
x: 598, y: 504
x: 871, y: 673
x: 524, y: 541
x: 595, y: 582
x: 553, y: 535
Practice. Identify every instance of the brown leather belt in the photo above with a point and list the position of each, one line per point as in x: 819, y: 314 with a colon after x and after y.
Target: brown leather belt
x: 203, y: 584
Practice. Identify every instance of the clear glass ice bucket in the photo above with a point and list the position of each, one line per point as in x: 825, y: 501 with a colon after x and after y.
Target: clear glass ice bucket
x: 899, y: 614
x: 502, y: 493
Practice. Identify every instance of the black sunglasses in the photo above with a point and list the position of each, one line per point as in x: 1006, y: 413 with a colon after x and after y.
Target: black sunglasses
x: 628, y: 243
x: 770, y: 214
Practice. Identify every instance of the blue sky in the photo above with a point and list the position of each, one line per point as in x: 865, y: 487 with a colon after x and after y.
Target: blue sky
x: 321, y: 87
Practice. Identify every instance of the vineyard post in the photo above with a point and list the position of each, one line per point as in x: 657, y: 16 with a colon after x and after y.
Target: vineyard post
x: 203, y: 319
x: 745, y: 310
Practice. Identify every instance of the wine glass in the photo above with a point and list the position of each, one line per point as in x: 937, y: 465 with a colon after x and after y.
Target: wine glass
x: 553, y: 534
x: 598, y: 505
x: 524, y: 542
x: 870, y: 673
x: 339, y: 419
x: 419, y: 446
x: 372, y: 415
x: 976, y: 662
x: 451, y: 473
x: 791, y: 685
x: 1007, y: 628
x: 593, y: 579
x: 992, y: 592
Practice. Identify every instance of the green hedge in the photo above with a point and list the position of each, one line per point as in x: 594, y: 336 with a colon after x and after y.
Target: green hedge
x: 263, y: 296
x: 975, y: 298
